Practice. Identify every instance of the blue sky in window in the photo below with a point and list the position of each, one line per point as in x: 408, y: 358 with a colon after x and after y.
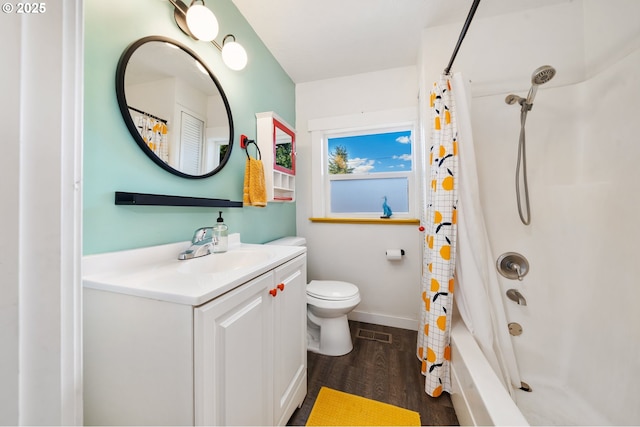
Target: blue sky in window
x: 379, y: 152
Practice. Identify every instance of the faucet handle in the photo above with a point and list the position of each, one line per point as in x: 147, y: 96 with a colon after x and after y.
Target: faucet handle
x: 202, y: 234
x: 515, y: 267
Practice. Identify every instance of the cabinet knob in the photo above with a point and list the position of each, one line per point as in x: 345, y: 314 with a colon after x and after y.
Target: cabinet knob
x: 281, y: 286
x: 273, y: 292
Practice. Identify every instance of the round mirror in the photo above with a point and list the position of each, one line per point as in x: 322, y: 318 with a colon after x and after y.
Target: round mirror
x: 174, y: 107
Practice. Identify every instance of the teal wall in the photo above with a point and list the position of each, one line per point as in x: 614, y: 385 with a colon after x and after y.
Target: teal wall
x: 114, y: 162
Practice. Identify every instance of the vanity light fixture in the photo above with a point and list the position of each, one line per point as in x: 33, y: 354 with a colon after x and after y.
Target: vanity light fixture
x: 202, y: 22
x: 233, y: 54
x: 198, y: 22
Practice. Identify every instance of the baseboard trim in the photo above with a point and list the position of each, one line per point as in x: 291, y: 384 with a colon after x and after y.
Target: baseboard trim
x: 381, y: 319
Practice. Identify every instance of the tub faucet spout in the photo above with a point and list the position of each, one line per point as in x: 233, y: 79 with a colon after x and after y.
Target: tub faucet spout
x: 515, y: 295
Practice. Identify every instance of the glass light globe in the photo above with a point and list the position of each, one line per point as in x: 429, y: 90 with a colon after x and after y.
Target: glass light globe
x: 234, y: 55
x: 202, y: 22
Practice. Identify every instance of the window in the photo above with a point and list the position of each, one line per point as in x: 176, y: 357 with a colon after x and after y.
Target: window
x: 361, y: 169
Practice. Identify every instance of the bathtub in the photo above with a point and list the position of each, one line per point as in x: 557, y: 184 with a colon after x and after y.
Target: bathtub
x: 478, y: 396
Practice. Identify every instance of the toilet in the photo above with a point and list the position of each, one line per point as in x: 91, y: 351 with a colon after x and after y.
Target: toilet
x: 328, y: 303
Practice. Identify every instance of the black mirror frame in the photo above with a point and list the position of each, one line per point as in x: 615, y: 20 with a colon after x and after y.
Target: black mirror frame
x: 124, y: 108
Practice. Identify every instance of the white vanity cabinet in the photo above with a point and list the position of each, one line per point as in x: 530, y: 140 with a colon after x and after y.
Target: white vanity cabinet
x: 239, y: 359
x: 251, y: 353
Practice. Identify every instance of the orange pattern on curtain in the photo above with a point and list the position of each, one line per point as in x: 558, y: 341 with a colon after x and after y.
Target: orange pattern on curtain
x: 439, y: 222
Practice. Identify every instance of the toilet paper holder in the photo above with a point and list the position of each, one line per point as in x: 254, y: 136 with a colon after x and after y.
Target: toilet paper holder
x: 394, y: 254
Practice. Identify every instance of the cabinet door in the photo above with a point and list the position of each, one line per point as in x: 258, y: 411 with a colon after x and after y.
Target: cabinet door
x: 233, y: 352
x: 290, y: 338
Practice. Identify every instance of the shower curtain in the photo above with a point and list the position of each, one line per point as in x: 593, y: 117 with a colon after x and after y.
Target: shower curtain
x: 439, y: 221
x: 478, y: 299
x: 456, y: 248
x: 153, y: 131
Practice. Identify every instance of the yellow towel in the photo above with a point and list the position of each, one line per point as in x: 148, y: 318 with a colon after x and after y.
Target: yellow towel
x: 255, y: 190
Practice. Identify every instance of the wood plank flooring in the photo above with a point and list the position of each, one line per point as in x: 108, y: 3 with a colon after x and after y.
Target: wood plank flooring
x: 386, y: 372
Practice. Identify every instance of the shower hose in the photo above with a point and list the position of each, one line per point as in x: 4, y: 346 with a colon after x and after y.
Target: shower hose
x: 522, y: 161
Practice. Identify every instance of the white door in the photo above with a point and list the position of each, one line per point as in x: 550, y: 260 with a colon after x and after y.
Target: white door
x: 191, y: 143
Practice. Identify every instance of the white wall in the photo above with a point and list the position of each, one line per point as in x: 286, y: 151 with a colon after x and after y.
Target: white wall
x: 499, y: 53
x: 40, y: 328
x: 354, y: 252
x: 9, y: 214
x: 581, y: 324
x: 156, y: 97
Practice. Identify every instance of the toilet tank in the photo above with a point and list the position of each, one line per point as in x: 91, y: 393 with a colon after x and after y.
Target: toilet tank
x: 289, y: 241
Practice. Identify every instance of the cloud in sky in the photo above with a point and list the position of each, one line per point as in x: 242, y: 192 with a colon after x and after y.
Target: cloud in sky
x: 360, y: 165
x: 403, y: 157
x: 403, y: 139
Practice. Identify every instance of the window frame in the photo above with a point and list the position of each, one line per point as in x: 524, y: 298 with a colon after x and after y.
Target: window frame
x: 365, y: 123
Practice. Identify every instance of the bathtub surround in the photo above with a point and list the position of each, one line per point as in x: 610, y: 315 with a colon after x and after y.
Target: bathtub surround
x: 585, y: 202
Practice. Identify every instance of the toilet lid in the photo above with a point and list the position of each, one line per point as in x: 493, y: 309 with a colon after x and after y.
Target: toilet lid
x: 331, y: 290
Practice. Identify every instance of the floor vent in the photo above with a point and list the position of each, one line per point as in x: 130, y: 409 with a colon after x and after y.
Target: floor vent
x: 374, y: 336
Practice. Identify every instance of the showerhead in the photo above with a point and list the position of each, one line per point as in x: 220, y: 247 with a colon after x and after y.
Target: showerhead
x: 540, y: 76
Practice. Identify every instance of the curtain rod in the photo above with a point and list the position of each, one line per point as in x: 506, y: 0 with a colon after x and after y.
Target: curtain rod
x: 463, y: 33
x: 147, y: 114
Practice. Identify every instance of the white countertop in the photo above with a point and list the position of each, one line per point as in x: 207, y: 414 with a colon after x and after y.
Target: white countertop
x: 156, y: 273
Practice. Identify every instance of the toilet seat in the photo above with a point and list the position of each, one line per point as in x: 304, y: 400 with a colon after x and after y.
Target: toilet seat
x: 331, y: 290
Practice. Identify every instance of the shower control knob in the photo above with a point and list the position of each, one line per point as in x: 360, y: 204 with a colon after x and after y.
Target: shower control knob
x: 512, y: 265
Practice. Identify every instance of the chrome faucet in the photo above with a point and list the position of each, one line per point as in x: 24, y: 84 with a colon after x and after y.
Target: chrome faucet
x: 201, y: 244
x: 515, y: 295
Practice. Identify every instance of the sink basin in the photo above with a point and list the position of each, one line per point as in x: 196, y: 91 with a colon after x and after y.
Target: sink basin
x: 156, y: 273
x: 227, y: 261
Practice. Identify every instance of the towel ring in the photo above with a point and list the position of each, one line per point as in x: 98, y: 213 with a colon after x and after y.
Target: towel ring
x: 246, y: 148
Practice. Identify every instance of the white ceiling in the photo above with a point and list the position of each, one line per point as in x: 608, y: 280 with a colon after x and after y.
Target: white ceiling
x: 316, y: 40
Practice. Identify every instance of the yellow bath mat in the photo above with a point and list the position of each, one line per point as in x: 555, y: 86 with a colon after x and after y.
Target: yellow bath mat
x: 336, y: 408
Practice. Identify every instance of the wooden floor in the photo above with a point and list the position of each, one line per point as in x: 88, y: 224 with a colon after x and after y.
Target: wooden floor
x: 380, y: 371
